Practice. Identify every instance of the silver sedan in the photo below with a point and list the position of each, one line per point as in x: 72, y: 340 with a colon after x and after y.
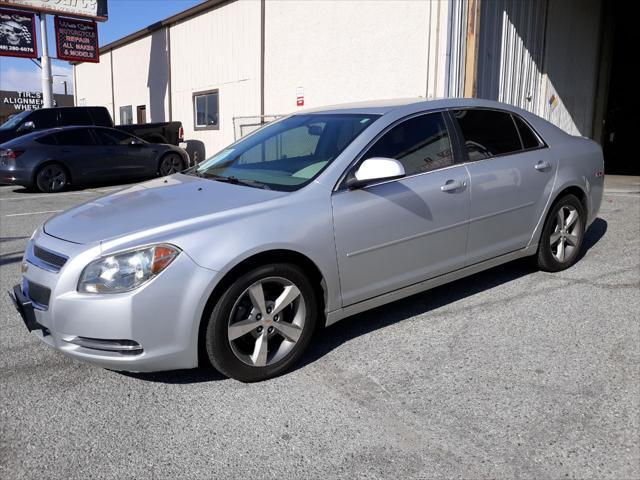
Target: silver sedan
x: 309, y: 220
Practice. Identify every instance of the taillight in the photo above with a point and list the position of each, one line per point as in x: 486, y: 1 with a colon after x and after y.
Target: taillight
x: 181, y: 134
x: 11, y: 154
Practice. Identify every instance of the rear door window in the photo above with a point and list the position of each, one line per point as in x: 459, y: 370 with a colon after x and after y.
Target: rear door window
x: 529, y: 139
x: 113, y: 137
x: 75, y: 137
x: 101, y: 117
x: 75, y: 116
x: 421, y: 144
x: 487, y: 133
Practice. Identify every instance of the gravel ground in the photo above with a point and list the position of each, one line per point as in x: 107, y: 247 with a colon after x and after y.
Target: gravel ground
x: 509, y: 373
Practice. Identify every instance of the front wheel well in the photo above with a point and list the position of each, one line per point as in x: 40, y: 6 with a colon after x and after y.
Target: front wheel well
x: 248, y: 264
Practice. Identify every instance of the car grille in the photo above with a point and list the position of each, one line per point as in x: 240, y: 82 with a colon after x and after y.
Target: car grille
x: 38, y: 293
x: 49, y: 258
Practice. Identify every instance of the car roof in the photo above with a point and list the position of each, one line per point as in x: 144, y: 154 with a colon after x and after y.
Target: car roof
x: 48, y: 131
x: 382, y: 107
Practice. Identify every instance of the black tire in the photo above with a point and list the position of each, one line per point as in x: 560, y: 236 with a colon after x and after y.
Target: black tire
x: 52, y: 178
x: 170, y: 163
x: 227, y: 358
x: 548, y: 254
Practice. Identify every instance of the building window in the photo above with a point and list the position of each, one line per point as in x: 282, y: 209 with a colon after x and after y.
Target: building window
x: 142, y: 113
x: 205, y: 108
x: 126, y: 115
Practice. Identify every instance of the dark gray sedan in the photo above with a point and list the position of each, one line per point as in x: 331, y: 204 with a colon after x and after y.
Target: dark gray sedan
x: 51, y: 160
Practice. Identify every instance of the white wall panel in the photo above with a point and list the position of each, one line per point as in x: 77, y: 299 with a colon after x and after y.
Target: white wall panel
x: 141, y: 76
x: 92, y: 85
x: 346, y: 51
x: 510, y: 57
x: 219, y: 49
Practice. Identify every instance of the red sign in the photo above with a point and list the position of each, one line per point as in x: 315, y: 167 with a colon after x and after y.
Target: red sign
x: 300, y: 97
x: 17, y: 34
x: 77, y: 40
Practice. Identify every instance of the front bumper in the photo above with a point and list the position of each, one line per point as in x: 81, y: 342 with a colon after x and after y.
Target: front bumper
x: 152, y: 328
x: 24, y: 306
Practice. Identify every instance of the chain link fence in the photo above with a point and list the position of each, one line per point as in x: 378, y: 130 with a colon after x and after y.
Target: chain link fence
x: 244, y: 125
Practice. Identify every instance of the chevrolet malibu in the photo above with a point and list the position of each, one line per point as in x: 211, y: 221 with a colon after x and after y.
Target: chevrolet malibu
x: 310, y: 219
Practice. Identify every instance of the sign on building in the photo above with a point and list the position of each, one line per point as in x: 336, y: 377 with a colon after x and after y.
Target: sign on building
x: 77, y: 40
x: 96, y: 9
x: 12, y: 102
x: 17, y: 34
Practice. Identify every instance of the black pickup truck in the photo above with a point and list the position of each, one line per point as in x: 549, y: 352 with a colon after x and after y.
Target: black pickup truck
x: 32, y: 120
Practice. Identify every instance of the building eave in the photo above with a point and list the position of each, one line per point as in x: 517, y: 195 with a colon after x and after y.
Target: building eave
x: 178, y: 17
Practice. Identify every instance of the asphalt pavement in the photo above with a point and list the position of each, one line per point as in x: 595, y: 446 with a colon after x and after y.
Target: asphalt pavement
x: 511, y: 373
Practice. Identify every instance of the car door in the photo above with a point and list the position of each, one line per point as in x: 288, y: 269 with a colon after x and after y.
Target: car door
x: 124, y: 155
x: 511, y: 177
x: 397, y: 233
x: 76, y: 148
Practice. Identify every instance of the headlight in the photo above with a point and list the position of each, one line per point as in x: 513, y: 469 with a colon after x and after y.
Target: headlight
x: 127, y: 270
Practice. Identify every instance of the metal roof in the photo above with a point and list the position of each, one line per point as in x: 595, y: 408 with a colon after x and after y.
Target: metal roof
x: 178, y: 17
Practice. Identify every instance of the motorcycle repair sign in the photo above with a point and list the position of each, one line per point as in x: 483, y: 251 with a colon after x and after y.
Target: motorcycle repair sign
x: 17, y: 34
x: 77, y: 40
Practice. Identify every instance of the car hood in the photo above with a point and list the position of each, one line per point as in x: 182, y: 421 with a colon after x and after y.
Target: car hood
x: 158, y: 203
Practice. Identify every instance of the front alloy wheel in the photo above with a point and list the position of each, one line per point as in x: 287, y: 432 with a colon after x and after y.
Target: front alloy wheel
x: 262, y: 323
x: 170, y: 164
x: 266, y: 321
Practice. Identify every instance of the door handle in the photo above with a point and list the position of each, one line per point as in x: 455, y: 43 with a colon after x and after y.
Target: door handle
x: 542, y: 165
x: 451, y: 185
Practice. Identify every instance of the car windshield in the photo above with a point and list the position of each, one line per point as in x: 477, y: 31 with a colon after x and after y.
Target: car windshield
x: 15, y: 120
x: 288, y: 153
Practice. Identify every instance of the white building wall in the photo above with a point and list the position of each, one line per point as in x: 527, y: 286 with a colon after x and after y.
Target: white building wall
x: 92, y: 83
x: 344, y: 51
x: 219, y: 49
x: 141, y: 76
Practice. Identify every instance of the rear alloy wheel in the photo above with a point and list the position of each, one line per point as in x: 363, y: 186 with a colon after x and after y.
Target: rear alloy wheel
x: 262, y: 323
x: 170, y: 164
x: 52, y: 178
x: 562, y: 235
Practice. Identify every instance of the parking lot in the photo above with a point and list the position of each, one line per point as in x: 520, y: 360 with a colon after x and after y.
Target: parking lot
x: 509, y: 373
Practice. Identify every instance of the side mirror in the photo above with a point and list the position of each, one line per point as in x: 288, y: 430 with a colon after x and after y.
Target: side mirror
x: 375, y: 169
x: 27, y: 126
x: 136, y: 143
x: 315, y: 130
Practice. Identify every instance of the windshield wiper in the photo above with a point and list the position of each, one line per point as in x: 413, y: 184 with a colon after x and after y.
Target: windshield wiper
x: 234, y: 180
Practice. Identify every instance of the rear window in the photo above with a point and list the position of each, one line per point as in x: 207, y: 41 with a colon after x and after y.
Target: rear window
x: 488, y: 133
x: 75, y: 137
x: 529, y: 139
x: 101, y: 117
